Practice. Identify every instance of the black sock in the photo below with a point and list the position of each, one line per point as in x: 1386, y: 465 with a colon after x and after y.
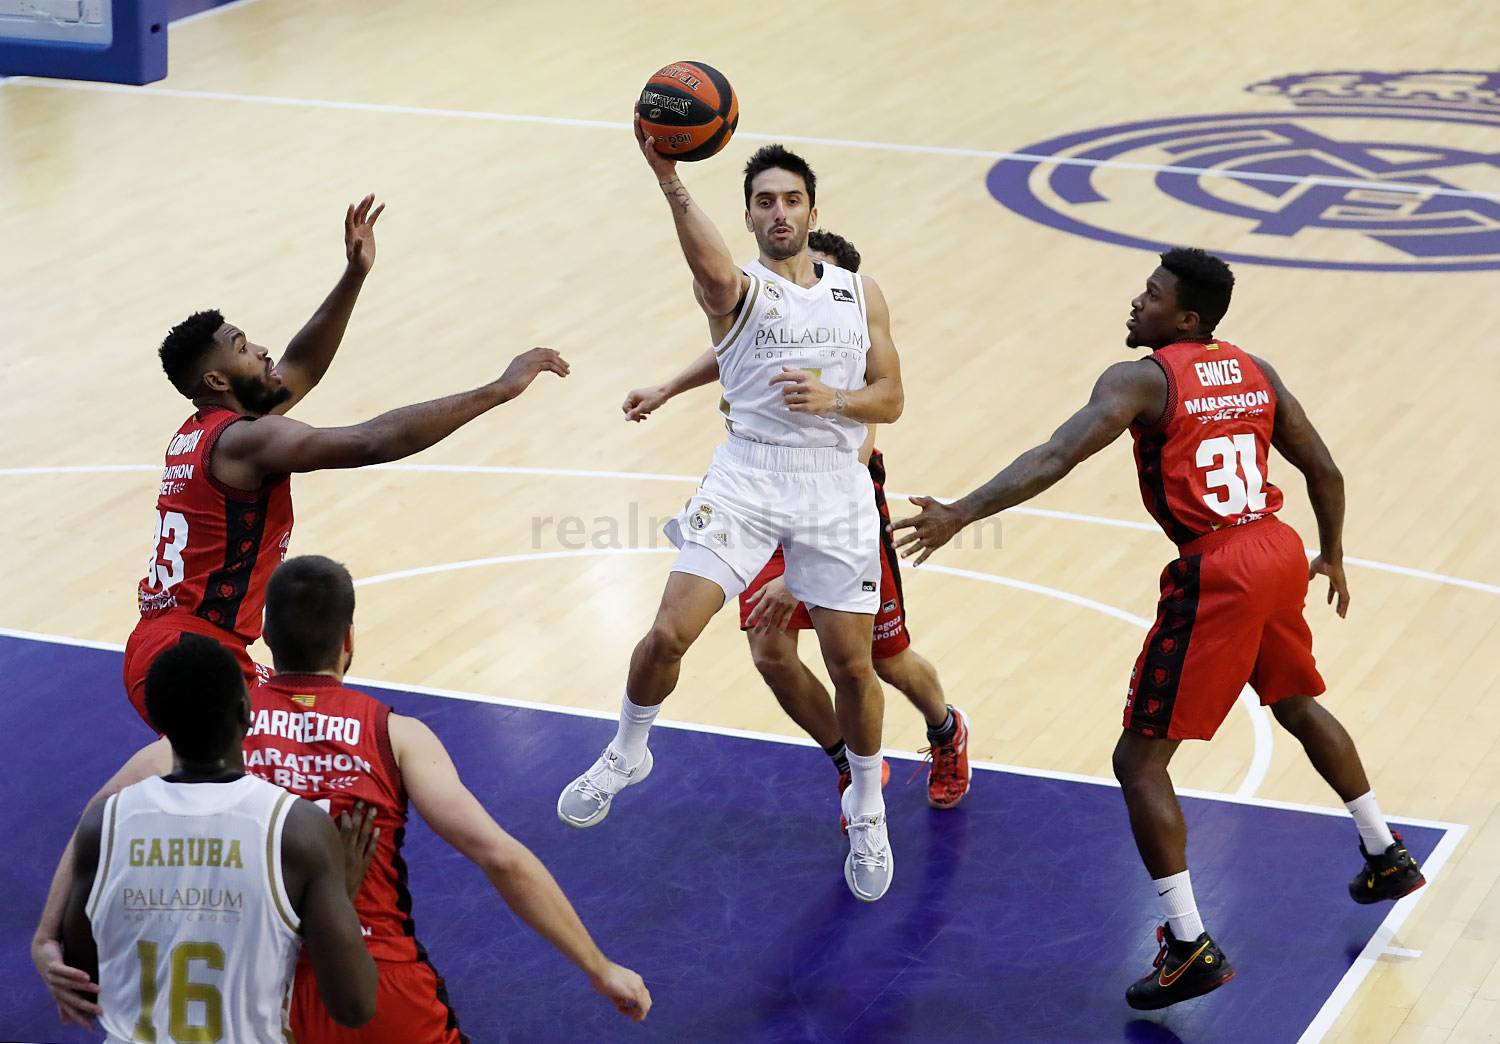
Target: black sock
x: 840, y: 756
x: 944, y: 732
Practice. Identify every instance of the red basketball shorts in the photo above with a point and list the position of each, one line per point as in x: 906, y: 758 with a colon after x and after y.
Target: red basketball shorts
x: 890, y: 636
x: 1230, y: 613
x: 411, y: 1006
x: 152, y: 637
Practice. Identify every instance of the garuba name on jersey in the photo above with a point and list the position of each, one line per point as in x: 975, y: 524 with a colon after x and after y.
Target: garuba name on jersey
x: 196, y: 934
x: 823, y: 328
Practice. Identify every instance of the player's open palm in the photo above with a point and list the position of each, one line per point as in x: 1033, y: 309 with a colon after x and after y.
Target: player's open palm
x: 524, y: 368
x: 69, y: 986
x: 359, y: 233
x: 626, y: 989
x: 1338, y: 587
x: 933, y: 527
x: 642, y: 402
x: 771, y: 607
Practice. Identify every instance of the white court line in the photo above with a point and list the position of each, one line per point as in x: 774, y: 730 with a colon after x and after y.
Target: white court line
x: 772, y: 737
x: 652, y: 476
x: 1380, y: 941
x: 533, y: 556
x: 845, y: 143
x: 1337, y: 1001
x: 173, y: 24
x: 1260, y: 721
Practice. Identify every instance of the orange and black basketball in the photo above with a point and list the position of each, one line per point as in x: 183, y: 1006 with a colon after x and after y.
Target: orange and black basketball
x: 690, y: 109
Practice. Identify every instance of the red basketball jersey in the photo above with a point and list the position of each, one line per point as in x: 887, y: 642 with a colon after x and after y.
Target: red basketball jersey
x: 1202, y: 466
x: 215, y: 547
x: 326, y: 743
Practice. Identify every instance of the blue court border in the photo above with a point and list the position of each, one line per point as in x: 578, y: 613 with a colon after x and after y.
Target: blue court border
x: 955, y: 952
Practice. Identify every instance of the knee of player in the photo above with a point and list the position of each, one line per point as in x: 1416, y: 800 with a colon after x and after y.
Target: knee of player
x: 852, y: 671
x: 896, y: 670
x: 773, y: 659
x: 666, y: 642
x: 1294, y: 712
x: 1127, y: 762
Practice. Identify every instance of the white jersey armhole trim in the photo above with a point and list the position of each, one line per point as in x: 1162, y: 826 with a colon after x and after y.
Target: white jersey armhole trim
x: 859, y: 295
x: 107, y: 851
x: 746, y: 311
x: 275, y: 879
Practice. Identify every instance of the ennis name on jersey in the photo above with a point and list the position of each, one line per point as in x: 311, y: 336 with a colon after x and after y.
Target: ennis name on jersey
x: 1203, y: 465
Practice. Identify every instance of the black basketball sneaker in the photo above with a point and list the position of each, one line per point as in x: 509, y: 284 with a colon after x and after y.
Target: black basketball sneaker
x: 1389, y: 875
x: 1183, y: 970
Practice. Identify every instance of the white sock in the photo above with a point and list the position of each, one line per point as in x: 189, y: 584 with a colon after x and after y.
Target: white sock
x: 1177, y: 905
x: 1374, y: 836
x: 635, y: 726
x: 865, y: 798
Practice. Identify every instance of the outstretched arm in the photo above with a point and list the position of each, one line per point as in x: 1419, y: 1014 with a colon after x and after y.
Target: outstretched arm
x: 311, y: 352
x: 642, y: 402
x: 457, y: 817
x: 1124, y: 393
x: 248, y: 452
x: 1298, y: 441
x: 718, y: 283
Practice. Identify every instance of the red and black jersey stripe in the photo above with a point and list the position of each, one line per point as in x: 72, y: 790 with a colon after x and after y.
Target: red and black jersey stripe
x: 1166, y: 649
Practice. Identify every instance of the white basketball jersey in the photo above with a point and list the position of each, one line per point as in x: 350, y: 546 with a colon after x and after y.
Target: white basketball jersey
x: 196, y: 936
x: 823, y: 328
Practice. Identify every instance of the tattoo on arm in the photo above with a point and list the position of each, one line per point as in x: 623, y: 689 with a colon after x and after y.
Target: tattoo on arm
x: 677, y: 192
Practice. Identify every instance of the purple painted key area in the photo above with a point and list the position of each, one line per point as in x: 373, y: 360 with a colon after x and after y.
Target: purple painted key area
x: 1022, y: 915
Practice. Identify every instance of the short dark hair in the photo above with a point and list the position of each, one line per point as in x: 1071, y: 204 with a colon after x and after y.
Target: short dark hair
x: 775, y: 157
x: 309, y: 609
x: 184, y: 347
x: 194, y: 695
x: 836, y: 247
x: 1204, y: 284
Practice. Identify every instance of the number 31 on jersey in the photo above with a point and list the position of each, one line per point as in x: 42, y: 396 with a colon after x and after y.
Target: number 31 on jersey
x: 1229, y: 458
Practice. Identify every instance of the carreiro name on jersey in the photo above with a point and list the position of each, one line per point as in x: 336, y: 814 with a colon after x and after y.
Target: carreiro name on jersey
x: 305, y: 726
x: 1214, y: 403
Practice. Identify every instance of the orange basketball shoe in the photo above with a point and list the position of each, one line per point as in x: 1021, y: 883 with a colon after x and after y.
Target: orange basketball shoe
x: 948, y: 781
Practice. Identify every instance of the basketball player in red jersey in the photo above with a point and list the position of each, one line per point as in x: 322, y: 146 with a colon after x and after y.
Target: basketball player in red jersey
x: 346, y: 750
x: 771, y: 616
x: 1204, y: 416
x: 224, y: 510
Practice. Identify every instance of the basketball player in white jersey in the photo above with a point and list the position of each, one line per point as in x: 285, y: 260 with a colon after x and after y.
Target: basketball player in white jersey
x: 806, y: 361
x: 192, y: 892
x: 770, y: 616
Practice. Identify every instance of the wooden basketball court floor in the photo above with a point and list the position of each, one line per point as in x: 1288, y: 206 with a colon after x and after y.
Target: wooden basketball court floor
x: 519, y: 559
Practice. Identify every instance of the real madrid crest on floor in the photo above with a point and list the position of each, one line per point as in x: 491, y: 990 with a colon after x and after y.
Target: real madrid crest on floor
x: 1407, y: 178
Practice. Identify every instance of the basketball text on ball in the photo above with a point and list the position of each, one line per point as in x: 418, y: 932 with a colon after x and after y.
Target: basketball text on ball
x: 683, y: 76
x: 662, y: 101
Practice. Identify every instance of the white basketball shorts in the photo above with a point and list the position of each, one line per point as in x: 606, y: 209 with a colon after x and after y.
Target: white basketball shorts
x: 817, y: 503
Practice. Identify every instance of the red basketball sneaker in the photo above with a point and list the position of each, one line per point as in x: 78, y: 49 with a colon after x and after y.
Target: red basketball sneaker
x: 948, y: 781
x: 845, y: 779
